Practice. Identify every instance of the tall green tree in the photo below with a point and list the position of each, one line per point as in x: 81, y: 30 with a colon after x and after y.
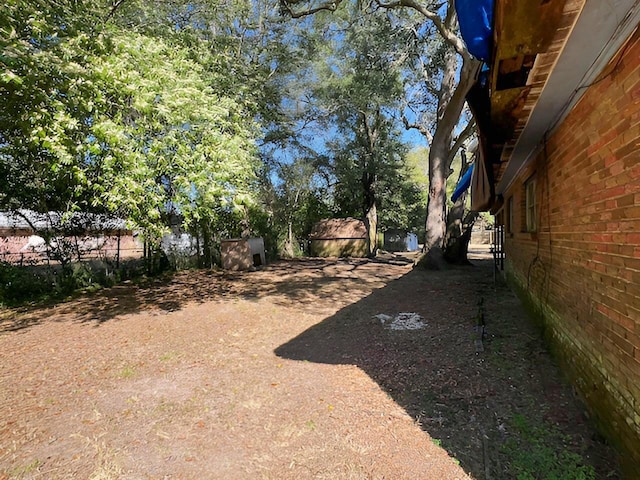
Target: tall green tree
x: 264, y: 59
x: 47, y: 102
x: 250, y: 46
x: 299, y: 201
x: 173, y: 145
x: 406, y: 207
x: 137, y: 119
x: 458, y: 69
x: 359, y: 89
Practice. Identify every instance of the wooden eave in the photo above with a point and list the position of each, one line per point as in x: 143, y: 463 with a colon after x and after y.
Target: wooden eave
x: 529, y: 35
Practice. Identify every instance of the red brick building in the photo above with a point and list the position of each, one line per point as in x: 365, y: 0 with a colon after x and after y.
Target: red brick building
x: 90, y: 237
x: 560, y: 128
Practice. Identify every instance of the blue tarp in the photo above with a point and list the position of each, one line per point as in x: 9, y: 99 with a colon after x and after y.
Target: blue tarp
x: 476, y: 26
x: 463, y: 184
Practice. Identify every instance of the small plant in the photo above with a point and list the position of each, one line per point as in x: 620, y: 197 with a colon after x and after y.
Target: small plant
x: 167, y: 356
x: 25, y: 470
x: 533, y: 454
x: 127, y: 372
x: 39, y: 283
x: 21, y: 284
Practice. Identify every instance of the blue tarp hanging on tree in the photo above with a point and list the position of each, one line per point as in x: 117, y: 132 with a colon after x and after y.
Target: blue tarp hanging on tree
x: 476, y: 26
x: 463, y: 184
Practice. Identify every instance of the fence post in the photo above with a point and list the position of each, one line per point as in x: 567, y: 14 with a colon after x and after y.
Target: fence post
x: 118, y: 250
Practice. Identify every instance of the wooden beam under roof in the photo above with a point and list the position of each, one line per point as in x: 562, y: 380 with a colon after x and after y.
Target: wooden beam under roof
x: 528, y: 38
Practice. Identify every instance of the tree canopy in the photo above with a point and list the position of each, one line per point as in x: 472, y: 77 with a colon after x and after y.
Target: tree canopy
x: 101, y: 118
x: 230, y: 117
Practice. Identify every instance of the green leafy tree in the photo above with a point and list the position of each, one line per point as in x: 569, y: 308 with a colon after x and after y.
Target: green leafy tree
x: 359, y: 89
x: 426, y: 19
x: 299, y: 201
x: 173, y: 145
x: 262, y: 58
x: 47, y: 101
x: 138, y: 121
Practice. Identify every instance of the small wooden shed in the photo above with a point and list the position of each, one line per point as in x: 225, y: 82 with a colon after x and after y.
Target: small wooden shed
x: 339, y: 237
x: 242, y: 253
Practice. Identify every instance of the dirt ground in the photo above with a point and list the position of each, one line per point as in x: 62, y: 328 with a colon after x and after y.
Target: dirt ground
x: 296, y: 371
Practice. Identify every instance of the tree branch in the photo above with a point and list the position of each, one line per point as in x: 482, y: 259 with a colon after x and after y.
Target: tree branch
x: 419, y: 127
x: 468, y: 130
x: 19, y: 213
x: 330, y: 6
x: 369, y: 130
x: 444, y: 28
x: 450, y: 19
x: 112, y: 12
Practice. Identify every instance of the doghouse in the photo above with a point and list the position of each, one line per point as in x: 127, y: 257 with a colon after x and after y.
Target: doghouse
x: 242, y: 253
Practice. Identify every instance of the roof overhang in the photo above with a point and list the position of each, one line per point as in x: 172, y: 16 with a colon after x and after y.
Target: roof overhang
x: 545, y: 53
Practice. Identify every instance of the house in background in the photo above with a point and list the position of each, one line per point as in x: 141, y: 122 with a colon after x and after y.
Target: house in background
x: 559, y: 121
x: 84, y: 237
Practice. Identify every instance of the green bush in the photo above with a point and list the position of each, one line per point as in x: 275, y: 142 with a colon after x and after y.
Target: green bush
x: 19, y: 285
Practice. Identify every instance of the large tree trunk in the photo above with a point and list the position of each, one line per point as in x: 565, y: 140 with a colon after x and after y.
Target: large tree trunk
x: 207, y: 255
x: 456, y: 244
x: 371, y: 131
x: 458, y: 237
x: 450, y: 104
x: 459, y: 225
x: 436, y: 203
x: 370, y: 212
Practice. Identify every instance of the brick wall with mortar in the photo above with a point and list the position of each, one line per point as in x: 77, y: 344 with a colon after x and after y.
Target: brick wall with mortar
x: 580, y: 271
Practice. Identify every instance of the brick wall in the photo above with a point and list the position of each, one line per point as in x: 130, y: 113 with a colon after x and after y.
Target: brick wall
x: 580, y: 271
x: 15, y: 248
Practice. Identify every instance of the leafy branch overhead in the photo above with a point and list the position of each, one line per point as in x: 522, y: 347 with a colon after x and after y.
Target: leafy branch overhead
x: 446, y: 25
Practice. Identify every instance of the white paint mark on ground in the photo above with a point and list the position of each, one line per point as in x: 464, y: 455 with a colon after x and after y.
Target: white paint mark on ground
x: 402, y: 321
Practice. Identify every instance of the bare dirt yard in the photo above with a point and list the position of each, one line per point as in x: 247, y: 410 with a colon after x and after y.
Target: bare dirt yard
x: 307, y: 369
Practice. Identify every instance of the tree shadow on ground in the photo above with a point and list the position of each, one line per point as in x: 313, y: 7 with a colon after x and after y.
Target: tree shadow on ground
x: 468, y: 400
x: 299, y: 283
